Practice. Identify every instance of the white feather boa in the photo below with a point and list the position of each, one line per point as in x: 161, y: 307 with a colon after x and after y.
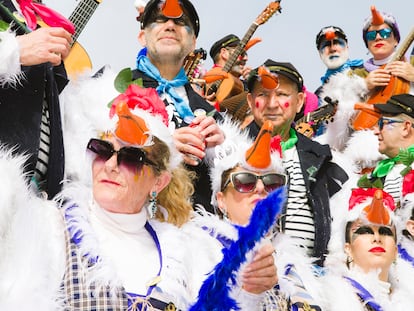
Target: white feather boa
x: 10, y: 70
x: 31, y: 237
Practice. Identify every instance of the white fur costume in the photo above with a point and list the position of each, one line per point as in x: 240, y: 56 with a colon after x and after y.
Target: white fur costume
x: 339, y: 295
x: 10, y: 70
x: 359, y: 149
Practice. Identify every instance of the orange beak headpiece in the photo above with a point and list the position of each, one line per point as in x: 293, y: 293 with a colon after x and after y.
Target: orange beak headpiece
x: 131, y: 128
x: 379, y: 209
x: 376, y: 18
x: 238, y: 150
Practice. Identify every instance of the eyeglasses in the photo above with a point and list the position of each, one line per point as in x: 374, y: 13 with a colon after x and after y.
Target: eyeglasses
x: 246, y: 182
x: 130, y: 157
x: 329, y: 43
x: 384, y: 34
x: 179, y: 21
x: 385, y: 121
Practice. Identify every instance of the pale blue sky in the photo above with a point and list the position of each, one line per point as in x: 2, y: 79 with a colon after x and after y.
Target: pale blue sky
x: 110, y: 36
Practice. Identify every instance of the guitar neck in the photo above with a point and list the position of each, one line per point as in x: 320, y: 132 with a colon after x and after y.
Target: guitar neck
x: 236, y: 53
x: 404, y: 46
x: 81, y: 15
x: 240, y: 48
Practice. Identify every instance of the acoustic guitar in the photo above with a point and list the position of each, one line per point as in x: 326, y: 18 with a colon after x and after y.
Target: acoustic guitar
x: 224, y: 87
x: 78, y: 59
x: 366, y: 116
x: 312, y: 119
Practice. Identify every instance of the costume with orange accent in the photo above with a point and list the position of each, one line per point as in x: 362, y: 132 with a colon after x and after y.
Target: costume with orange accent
x: 240, y: 154
x: 178, y: 95
x: 231, y: 95
x: 363, y: 269
x: 314, y: 167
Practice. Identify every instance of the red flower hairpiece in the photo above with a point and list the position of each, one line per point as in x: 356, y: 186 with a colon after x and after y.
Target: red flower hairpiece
x: 143, y: 98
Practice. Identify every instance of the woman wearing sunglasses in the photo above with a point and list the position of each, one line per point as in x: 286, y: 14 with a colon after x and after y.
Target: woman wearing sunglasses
x: 118, y: 240
x: 245, y: 172
x: 363, y: 270
x: 381, y: 36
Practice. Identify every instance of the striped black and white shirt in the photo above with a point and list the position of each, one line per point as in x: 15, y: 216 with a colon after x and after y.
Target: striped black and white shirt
x: 299, y: 221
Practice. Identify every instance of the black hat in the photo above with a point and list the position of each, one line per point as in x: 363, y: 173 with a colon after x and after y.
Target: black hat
x: 153, y: 7
x: 329, y: 33
x: 397, y: 104
x: 284, y: 69
x: 229, y: 40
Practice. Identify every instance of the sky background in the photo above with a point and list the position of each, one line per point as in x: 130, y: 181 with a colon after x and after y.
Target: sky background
x: 110, y: 37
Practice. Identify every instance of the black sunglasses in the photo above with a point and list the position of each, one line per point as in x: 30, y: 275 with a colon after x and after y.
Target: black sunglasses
x: 179, y: 21
x: 130, y: 157
x: 246, y: 182
x: 384, y: 34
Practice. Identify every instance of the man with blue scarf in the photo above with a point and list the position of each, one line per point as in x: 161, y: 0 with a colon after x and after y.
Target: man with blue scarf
x: 168, y: 32
x: 332, y: 45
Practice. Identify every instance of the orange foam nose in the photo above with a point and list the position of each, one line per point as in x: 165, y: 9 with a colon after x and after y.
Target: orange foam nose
x: 130, y: 128
x: 258, y: 155
x: 330, y: 35
x: 172, y: 8
x: 377, y: 18
x: 376, y: 212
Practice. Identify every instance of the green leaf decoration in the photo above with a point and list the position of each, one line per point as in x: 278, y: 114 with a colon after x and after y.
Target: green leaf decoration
x: 406, y: 157
x: 3, y: 26
x: 138, y: 82
x: 123, y: 80
x: 365, y: 182
x: 406, y: 171
x: 377, y: 184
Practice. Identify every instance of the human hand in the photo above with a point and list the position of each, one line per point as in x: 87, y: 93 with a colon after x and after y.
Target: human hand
x: 261, y: 274
x: 48, y: 44
x: 190, y: 142
x: 209, y: 129
x: 401, y: 69
x: 378, y: 77
x: 246, y: 72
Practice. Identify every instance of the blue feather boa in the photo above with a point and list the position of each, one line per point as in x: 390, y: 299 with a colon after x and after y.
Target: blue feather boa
x: 214, y: 294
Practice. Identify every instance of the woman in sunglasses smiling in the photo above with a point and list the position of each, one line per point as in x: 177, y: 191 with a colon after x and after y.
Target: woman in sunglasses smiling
x: 123, y: 238
x: 245, y: 172
x: 381, y: 36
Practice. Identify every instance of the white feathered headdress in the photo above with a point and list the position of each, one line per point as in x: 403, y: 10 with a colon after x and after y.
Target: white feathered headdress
x: 263, y: 155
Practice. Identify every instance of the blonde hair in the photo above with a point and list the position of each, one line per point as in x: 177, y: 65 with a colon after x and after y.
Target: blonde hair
x: 176, y: 196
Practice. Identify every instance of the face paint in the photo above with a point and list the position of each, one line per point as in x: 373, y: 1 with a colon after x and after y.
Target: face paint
x: 286, y: 104
x: 140, y: 173
x: 257, y: 104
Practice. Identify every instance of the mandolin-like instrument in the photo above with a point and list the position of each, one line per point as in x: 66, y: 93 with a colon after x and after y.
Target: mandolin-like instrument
x: 367, y: 117
x: 225, y: 86
x: 78, y: 59
x: 312, y: 119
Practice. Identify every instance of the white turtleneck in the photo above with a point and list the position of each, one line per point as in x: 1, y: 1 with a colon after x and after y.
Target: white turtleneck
x: 125, y: 241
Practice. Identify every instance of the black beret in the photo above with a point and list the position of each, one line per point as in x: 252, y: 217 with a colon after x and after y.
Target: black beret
x: 152, y: 9
x: 321, y: 36
x: 403, y: 103
x: 284, y: 69
x: 229, y: 40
